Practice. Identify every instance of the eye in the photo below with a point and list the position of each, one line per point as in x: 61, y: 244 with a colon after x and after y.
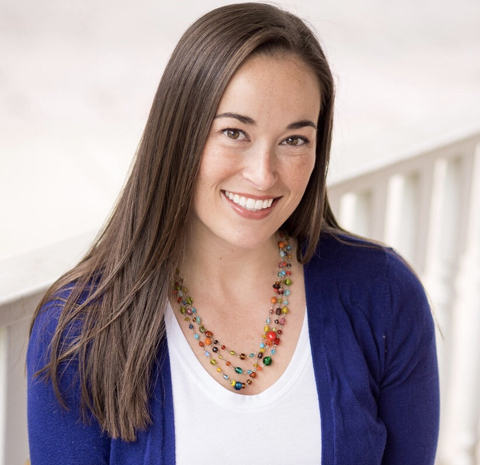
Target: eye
x: 295, y: 141
x: 235, y: 134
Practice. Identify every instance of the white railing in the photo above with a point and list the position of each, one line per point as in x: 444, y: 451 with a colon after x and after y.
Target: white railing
x: 23, y: 281
x: 426, y: 204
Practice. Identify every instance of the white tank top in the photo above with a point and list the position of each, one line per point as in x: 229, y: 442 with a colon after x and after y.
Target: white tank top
x: 214, y: 425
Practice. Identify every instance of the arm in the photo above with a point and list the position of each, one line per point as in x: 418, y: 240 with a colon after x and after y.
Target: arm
x: 57, y: 435
x: 409, y: 394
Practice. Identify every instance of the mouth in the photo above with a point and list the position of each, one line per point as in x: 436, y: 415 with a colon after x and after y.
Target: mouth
x: 250, y: 204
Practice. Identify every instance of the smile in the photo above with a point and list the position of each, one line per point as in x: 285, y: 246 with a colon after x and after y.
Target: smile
x: 249, y: 203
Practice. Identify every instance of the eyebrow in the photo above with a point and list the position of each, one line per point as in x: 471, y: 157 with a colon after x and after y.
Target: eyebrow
x: 247, y: 120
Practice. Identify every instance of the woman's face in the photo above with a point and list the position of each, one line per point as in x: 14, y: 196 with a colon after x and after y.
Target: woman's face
x: 260, y: 152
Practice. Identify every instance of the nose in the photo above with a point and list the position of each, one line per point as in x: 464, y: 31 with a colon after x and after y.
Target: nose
x: 261, y: 168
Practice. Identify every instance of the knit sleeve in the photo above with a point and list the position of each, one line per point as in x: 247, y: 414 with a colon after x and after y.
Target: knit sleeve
x: 409, y: 393
x: 58, y: 435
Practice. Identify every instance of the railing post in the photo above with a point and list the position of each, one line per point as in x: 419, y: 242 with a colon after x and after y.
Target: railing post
x: 463, y: 404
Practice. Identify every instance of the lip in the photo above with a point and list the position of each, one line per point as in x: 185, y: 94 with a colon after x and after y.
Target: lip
x: 250, y: 214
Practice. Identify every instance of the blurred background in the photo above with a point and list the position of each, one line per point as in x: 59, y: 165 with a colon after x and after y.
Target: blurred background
x: 76, y: 83
x: 77, y: 80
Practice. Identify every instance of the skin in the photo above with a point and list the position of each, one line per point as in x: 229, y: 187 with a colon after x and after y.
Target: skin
x: 261, y: 146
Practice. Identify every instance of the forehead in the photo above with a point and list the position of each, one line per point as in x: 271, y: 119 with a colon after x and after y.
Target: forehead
x: 271, y: 84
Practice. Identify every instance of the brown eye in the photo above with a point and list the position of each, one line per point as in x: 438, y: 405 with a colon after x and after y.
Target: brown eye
x: 294, y: 140
x: 232, y: 133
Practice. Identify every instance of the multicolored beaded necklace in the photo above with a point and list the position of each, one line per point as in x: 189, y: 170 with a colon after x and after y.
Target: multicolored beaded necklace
x: 271, y: 332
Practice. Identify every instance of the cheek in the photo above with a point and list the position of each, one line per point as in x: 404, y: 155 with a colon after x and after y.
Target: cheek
x: 216, y: 166
x: 300, y: 173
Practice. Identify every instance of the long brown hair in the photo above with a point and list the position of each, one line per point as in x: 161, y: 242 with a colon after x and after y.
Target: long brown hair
x: 119, y: 289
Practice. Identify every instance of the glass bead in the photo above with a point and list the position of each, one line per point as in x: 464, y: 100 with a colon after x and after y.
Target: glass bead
x: 278, y: 311
x: 266, y: 329
x: 260, y: 355
x: 208, y: 341
x: 276, y: 322
x: 271, y: 335
x: 194, y: 310
x: 183, y: 310
x: 201, y: 344
x: 288, y: 282
x: 207, y: 353
x: 273, y: 351
x: 243, y: 356
x: 189, y: 301
x: 268, y: 321
x: 286, y: 292
x: 201, y: 328
x: 251, y: 355
x: 238, y: 386
x: 196, y: 336
x: 267, y: 361
x: 238, y: 370
x: 253, y: 374
x: 233, y: 382
x: 225, y: 376
x: 190, y: 326
x: 282, y: 321
x: 215, y: 349
x: 279, y: 331
x: 219, y: 370
x: 213, y: 361
x: 277, y: 341
x: 208, y: 334
x: 232, y: 352
x: 248, y: 381
x: 222, y: 347
x: 284, y: 310
x: 262, y: 345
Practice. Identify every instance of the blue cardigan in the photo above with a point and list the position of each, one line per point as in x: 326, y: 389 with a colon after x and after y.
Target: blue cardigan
x: 373, y: 347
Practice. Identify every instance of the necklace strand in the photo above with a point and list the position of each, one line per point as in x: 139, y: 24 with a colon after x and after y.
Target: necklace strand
x: 213, y: 349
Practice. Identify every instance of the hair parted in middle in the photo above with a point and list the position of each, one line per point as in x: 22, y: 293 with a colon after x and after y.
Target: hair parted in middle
x: 133, y: 260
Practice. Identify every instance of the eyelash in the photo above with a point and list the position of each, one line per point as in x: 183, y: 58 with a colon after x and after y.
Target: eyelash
x: 304, y: 139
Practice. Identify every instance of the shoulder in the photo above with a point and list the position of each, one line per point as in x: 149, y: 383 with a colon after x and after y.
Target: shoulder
x: 362, y: 264
x: 49, y: 318
x: 367, y: 281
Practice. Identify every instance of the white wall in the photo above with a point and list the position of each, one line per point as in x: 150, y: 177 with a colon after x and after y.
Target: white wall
x: 77, y: 78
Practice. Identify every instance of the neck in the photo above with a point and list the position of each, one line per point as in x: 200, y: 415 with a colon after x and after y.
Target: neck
x: 212, y: 261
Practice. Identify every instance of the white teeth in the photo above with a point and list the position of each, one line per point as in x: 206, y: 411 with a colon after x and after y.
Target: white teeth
x: 249, y: 204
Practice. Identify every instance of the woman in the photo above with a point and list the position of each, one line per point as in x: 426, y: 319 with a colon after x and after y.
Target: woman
x: 222, y: 306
